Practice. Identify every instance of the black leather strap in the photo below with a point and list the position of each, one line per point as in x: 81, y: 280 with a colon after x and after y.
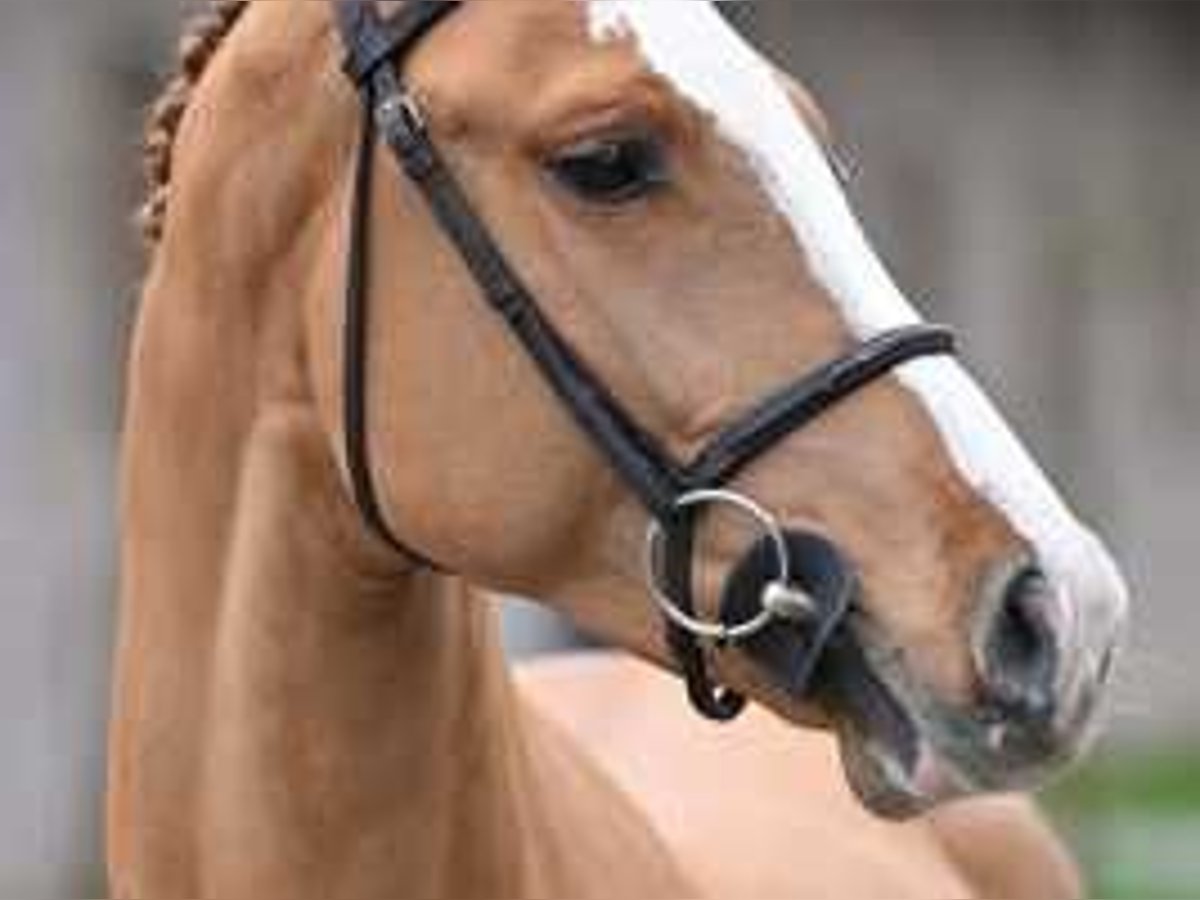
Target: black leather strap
x: 714, y: 702
x: 394, y: 116
x: 813, y: 395
x: 358, y: 22
x: 646, y: 467
x: 373, y: 42
x: 376, y: 51
x: 355, y: 332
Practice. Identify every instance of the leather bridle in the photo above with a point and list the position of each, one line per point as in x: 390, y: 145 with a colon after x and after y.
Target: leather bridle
x: 784, y: 620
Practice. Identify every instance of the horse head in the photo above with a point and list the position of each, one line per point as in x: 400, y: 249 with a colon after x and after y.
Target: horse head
x: 667, y: 196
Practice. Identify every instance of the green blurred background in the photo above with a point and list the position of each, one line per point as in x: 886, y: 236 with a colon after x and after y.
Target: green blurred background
x: 1029, y: 169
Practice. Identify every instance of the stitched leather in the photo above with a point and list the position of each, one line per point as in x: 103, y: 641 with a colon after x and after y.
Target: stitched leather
x: 813, y: 395
x: 373, y: 42
x: 376, y: 52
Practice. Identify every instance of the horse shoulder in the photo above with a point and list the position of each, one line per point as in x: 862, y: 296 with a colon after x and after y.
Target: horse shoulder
x: 757, y: 808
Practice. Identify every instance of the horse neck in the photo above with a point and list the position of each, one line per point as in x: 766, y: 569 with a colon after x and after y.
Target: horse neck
x: 284, y: 695
x: 290, y: 719
x: 295, y: 716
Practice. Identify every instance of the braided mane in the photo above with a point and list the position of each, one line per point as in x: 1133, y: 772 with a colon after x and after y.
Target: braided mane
x: 203, y: 36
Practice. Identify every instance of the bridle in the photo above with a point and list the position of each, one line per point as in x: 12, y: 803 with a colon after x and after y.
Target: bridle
x: 785, y: 618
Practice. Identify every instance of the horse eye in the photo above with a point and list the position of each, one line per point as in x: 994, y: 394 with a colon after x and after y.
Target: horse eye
x: 611, y: 171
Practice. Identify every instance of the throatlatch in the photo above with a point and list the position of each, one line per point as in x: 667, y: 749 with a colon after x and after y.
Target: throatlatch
x: 786, y: 601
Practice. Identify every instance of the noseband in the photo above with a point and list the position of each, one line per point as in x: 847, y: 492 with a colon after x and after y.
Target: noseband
x: 786, y: 618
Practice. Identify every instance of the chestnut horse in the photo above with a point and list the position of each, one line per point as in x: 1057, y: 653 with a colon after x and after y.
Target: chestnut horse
x: 302, y: 711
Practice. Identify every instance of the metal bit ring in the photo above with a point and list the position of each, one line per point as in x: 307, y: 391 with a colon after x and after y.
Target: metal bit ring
x: 717, y: 632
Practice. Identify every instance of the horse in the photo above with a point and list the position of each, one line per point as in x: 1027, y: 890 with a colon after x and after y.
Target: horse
x: 335, y: 458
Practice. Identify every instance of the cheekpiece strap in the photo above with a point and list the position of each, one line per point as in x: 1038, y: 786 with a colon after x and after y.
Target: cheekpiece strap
x: 373, y: 41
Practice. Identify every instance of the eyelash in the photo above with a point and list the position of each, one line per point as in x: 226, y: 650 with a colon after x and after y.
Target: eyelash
x: 612, y: 171
x: 637, y: 167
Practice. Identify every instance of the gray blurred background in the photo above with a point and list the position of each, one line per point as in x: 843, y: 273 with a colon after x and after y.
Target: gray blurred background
x: 1030, y: 169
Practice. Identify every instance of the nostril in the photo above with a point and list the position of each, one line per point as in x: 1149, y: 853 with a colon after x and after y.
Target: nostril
x: 1019, y: 635
x: 1021, y: 647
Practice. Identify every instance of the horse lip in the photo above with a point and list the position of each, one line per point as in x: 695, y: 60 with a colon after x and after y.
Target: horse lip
x: 905, y: 752
x: 877, y: 777
x: 898, y: 774
x: 883, y: 752
x: 902, y: 755
x: 940, y: 753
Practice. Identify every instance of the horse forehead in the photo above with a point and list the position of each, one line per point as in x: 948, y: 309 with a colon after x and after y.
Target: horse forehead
x: 663, y: 30
x: 496, y: 59
x: 693, y: 46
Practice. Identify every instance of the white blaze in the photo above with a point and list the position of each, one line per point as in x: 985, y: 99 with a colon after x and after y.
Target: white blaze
x: 690, y: 43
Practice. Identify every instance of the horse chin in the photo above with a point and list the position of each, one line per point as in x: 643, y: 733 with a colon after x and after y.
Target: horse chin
x: 881, y: 763
x: 890, y: 762
x: 889, y: 785
x: 878, y: 777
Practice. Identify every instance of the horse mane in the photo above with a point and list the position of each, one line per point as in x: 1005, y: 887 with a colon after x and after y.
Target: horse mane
x: 203, y: 36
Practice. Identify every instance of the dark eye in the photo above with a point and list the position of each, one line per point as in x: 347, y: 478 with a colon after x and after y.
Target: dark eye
x: 611, y: 170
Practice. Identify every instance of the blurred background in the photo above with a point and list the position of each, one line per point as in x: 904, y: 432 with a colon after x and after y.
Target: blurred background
x: 1029, y: 169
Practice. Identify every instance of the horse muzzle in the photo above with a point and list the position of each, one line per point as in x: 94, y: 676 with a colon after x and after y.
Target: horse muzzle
x: 792, y: 607
x: 1043, y: 659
